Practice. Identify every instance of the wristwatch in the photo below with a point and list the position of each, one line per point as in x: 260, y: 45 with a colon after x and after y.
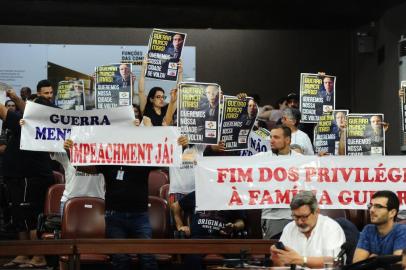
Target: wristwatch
x: 304, y: 261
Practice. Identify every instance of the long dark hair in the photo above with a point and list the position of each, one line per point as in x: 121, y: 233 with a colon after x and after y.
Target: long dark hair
x: 149, y: 106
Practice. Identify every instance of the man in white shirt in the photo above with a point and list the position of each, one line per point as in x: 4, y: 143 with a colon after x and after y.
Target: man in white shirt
x: 291, y: 118
x: 312, y: 238
x: 274, y: 220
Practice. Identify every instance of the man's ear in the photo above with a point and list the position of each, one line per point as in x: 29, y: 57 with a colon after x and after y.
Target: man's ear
x: 392, y: 213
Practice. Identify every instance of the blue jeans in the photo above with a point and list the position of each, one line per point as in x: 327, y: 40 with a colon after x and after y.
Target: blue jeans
x: 129, y: 225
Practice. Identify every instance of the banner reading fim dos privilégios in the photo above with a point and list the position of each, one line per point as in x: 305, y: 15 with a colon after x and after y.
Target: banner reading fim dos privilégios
x: 330, y: 133
x: 365, y: 135
x: 164, y: 51
x: 238, y: 118
x: 70, y: 95
x: 317, y: 96
x: 113, y: 86
x: 198, y: 112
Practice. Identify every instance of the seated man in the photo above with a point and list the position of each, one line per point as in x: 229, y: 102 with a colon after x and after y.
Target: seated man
x: 383, y: 236
x: 205, y: 224
x: 311, y: 236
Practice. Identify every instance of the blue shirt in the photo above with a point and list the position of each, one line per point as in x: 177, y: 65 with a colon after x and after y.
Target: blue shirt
x: 371, y: 241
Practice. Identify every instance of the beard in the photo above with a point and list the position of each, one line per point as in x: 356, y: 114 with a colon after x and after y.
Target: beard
x: 275, y: 151
x: 304, y: 228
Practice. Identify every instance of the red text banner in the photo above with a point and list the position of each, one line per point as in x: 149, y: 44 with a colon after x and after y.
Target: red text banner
x: 266, y: 181
x: 132, y: 146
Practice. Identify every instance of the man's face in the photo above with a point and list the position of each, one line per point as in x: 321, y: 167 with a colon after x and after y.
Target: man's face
x: 304, y: 218
x: 340, y: 120
x: 288, y: 122
x: 124, y: 71
x: 11, y: 106
x: 211, y: 94
x: 46, y: 92
x: 379, y: 212
x: 278, y: 140
x: 328, y: 84
x: 25, y: 93
x: 375, y: 122
x: 252, y: 108
x: 293, y: 103
x: 283, y: 105
x: 177, y: 41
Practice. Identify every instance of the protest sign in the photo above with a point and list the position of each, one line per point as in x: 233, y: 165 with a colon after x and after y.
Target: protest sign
x: 330, y: 132
x: 365, y: 135
x: 317, y: 96
x: 164, y: 51
x: 198, y: 112
x: 70, y: 95
x: 258, y: 141
x: 113, y: 86
x: 125, y: 145
x: 266, y: 181
x: 238, y: 118
x: 47, y: 128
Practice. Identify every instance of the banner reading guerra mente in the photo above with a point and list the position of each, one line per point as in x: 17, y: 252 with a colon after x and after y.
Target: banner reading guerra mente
x: 125, y: 145
x: 46, y: 128
x: 266, y: 181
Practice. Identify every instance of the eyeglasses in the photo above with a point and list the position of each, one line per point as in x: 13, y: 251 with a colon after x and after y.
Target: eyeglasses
x: 376, y: 206
x: 302, y: 218
x: 159, y: 97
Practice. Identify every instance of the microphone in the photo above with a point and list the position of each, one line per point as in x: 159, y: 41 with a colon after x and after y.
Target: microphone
x: 344, y: 247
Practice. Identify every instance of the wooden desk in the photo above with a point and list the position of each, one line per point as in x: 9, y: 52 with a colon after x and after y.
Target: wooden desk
x: 173, y: 246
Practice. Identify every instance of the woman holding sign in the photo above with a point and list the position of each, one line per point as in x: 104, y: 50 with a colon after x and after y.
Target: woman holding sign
x: 153, y: 106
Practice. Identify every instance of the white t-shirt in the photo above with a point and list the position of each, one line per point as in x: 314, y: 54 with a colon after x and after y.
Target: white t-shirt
x: 326, y: 235
x: 182, y: 179
x: 79, y: 184
x: 277, y: 213
x: 301, y: 138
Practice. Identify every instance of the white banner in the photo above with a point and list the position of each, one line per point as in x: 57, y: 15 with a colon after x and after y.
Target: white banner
x: 265, y: 181
x: 130, y: 145
x: 46, y: 128
x: 258, y: 141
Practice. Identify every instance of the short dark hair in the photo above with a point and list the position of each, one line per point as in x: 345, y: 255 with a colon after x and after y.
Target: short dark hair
x: 305, y: 197
x: 43, y: 83
x: 393, y: 200
x: 280, y: 101
x: 26, y: 88
x: 286, y: 130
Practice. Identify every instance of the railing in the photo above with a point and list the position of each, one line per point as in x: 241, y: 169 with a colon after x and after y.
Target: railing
x: 74, y: 247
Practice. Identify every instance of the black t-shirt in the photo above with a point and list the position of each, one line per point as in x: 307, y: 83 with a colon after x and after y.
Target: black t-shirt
x: 126, y: 188
x: 20, y: 163
x: 156, y: 119
x: 207, y: 224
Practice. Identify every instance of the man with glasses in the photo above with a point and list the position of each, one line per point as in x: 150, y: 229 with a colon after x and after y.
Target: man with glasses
x: 311, y: 237
x: 383, y: 236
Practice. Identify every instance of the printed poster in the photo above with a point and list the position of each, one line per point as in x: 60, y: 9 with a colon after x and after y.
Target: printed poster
x: 70, y: 95
x: 198, y: 112
x: 365, y: 135
x: 330, y: 133
x: 317, y: 96
x: 238, y: 118
x: 113, y: 86
x: 164, y: 51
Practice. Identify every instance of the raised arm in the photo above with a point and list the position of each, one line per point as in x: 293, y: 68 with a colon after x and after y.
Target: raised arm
x: 141, y: 85
x: 20, y: 104
x: 171, y: 107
